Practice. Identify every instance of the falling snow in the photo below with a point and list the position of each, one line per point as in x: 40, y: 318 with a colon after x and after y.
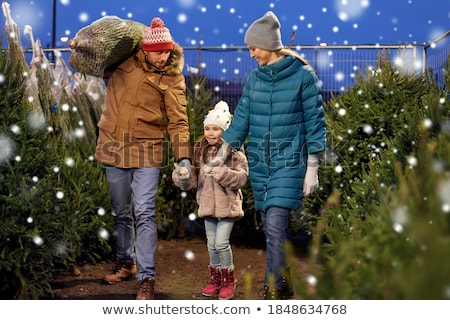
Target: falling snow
x: 444, y: 195
x: 6, y: 147
x: 338, y: 22
x: 188, y: 254
x: 195, y: 22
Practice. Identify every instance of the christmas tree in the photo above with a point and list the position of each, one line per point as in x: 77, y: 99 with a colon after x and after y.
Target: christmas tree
x: 53, y: 196
x: 384, y: 232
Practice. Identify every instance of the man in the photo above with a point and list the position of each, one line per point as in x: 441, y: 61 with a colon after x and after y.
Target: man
x: 145, y: 97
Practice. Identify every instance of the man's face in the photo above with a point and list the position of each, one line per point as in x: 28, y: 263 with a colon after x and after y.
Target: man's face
x: 157, y: 58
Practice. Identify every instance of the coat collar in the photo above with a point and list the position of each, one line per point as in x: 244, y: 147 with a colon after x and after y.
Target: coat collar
x: 280, y: 70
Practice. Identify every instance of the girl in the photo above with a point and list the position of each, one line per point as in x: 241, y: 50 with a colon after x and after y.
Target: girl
x: 219, y: 197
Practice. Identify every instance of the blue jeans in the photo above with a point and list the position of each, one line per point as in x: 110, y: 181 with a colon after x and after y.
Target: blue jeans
x: 131, y: 191
x: 218, y: 242
x: 275, y: 222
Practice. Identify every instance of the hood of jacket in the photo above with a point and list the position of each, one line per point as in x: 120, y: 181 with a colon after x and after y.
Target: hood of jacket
x: 174, y: 65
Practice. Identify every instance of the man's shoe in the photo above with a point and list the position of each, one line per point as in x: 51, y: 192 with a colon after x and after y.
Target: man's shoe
x: 123, y: 270
x: 146, y: 289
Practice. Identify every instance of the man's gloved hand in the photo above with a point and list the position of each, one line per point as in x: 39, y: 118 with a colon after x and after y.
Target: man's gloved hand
x: 184, y: 171
x: 219, y: 159
x: 311, y: 181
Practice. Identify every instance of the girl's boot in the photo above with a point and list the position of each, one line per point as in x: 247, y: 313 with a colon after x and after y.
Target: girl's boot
x: 227, y: 290
x: 215, y: 282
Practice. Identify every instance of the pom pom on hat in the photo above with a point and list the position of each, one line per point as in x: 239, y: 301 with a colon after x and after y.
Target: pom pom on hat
x: 264, y: 33
x: 219, y: 116
x: 157, y: 37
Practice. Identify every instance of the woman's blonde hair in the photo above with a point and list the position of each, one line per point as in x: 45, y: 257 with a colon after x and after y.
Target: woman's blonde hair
x: 290, y: 52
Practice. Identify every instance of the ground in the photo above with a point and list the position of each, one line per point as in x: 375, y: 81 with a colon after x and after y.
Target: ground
x: 182, y: 271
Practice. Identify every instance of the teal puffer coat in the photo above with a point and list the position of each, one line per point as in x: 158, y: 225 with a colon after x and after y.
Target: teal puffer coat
x: 281, y: 113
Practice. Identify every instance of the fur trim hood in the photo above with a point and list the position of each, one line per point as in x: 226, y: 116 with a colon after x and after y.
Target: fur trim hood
x: 174, y: 65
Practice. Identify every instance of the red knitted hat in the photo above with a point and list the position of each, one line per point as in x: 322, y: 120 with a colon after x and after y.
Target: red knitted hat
x: 157, y: 37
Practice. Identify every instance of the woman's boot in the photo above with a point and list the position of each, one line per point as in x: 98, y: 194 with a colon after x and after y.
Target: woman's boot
x: 215, y: 282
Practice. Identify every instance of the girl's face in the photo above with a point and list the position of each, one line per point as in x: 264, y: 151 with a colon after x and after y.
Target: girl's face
x: 157, y: 58
x: 212, y: 133
x: 262, y: 56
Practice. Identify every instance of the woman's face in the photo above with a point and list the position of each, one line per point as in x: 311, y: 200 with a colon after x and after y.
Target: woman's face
x: 262, y: 56
x: 212, y: 134
x: 157, y: 58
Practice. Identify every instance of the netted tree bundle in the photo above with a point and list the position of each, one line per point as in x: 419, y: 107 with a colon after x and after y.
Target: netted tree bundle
x: 103, y: 43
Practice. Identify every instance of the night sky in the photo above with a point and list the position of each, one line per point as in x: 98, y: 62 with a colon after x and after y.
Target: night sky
x: 223, y: 23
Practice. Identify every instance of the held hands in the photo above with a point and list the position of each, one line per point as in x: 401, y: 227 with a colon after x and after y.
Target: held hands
x: 311, y: 181
x: 219, y: 159
x: 183, y: 174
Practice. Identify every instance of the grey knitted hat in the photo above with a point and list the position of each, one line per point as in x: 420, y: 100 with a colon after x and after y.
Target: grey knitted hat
x: 264, y: 33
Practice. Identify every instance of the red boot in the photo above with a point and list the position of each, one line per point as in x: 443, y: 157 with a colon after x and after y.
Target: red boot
x: 227, y: 290
x: 215, y: 282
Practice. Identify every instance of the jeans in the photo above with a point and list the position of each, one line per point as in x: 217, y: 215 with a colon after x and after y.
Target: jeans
x: 275, y: 222
x: 218, y: 242
x: 131, y: 191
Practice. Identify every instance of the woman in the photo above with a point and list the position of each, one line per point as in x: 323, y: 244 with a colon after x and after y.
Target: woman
x: 281, y: 114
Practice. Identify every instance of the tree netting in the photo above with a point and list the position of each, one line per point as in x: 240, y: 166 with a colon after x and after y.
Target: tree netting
x: 103, y: 43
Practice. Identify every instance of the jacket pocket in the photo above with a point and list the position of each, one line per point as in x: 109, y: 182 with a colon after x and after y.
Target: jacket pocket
x: 181, y: 98
x: 107, y: 125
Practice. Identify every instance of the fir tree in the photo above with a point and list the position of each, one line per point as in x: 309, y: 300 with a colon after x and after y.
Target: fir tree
x: 385, y: 229
x: 53, y: 196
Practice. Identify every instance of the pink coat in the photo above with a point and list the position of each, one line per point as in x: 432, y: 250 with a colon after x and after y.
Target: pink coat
x: 219, y: 194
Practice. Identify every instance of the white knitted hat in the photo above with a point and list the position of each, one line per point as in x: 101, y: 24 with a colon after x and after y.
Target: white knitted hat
x: 157, y: 37
x: 219, y: 116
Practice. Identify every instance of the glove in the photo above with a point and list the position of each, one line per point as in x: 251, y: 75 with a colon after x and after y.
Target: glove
x: 184, y: 171
x: 219, y: 159
x: 311, y: 181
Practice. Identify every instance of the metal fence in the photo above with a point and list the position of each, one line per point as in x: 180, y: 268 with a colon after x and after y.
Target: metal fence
x: 336, y: 66
x: 228, y: 67
x: 435, y: 56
